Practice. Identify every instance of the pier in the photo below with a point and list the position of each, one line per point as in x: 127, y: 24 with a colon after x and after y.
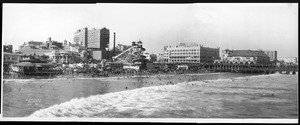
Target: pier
x: 244, y: 68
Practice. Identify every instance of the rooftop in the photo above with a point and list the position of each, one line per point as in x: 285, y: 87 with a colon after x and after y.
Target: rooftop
x: 248, y: 53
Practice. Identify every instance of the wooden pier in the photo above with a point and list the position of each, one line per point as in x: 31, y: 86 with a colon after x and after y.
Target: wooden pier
x: 245, y: 68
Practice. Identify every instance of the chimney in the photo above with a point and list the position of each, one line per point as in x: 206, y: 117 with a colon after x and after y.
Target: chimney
x: 114, y: 44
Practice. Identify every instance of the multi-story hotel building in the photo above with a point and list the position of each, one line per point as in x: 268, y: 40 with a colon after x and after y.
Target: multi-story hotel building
x: 193, y: 54
x: 98, y: 38
x: 104, y: 38
x: 81, y: 37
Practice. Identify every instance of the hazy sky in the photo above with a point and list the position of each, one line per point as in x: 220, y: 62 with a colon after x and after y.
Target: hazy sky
x: 225, y: 25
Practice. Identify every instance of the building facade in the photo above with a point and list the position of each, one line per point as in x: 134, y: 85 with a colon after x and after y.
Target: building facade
x: 289, y: 60
x: 191, y: 54
x: 272, y: 54
x: 247, y: 56
x: 81, y: 37
x: 63, y: 57
x: 51, y: 44
x: 70, y: 47
x: 39, y: 48
x: 104, y: 38
x: 98, y: 38
x: 11, y: 58
x: 94, y: 38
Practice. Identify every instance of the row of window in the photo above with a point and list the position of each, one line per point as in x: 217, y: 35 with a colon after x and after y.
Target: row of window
x: 184, y: 60
x: 183, y: 57
x: 184, y: 50
x: 8, y: 58
x: 185, y: 53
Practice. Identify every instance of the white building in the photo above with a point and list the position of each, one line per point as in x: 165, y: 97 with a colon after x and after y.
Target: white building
x: 71, y: 47
x: 244, y: 56
x: 272, y: 54
x: 194, y: 54
x: 63, y: 56
x: 289, y: 60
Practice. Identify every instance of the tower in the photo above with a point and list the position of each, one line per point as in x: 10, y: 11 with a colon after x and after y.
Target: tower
x: 114, y: 44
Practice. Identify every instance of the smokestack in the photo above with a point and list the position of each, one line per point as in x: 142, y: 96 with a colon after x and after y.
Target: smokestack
x: 114, y: 44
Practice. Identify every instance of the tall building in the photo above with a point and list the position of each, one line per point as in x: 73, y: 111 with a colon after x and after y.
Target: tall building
x: 8, y: 48
x: 98, y: 38
x: 81, y: 37
x: 104, y: 38
x: 94, y: 38
x: 194, y: 54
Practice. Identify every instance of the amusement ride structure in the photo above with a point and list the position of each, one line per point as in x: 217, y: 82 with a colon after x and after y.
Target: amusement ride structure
x: 133, y: 53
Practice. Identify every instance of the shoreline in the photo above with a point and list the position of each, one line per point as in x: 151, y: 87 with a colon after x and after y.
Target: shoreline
x: 81, y: 76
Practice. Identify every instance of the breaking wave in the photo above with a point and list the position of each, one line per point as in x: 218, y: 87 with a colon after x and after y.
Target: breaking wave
x: 142, y: 102
x: 187, y: 100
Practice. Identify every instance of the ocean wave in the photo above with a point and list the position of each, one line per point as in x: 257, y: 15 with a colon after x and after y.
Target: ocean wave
x: 176, y: 100
x: 101, y: 105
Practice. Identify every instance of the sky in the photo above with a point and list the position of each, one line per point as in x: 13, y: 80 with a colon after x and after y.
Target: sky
x: 237, y: 26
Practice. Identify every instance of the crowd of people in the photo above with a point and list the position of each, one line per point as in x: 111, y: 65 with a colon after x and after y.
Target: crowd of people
x: 102, y: 69
x: 96, y: 70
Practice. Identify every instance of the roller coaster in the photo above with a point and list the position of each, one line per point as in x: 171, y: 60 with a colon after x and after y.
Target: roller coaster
x: 128, y: 56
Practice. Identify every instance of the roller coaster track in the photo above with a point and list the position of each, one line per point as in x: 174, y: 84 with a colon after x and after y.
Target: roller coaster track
x: 129, y: 55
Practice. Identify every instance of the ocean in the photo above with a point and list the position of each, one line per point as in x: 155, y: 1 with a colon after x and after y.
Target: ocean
x: 212, y: 95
